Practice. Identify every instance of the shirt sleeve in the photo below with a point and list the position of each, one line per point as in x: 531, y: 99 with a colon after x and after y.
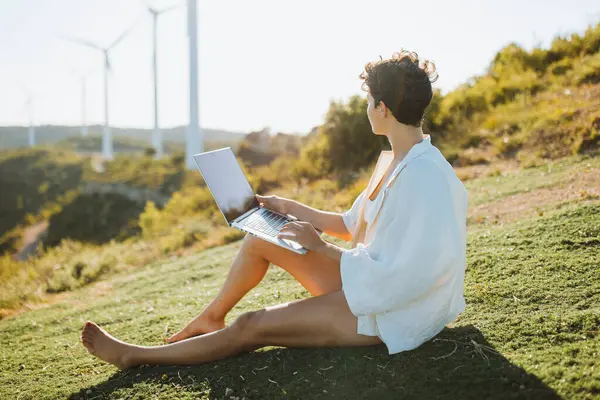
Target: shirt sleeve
x: 419, y: 237
x: 350, y: 217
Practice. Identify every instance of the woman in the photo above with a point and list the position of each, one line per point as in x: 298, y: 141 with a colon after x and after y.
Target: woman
x: 401, y: 283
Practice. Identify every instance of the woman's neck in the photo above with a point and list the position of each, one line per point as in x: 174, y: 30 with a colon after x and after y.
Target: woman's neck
x: 402, y: 138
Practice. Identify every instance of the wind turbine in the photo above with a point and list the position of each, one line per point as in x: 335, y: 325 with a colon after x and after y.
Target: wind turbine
x: 83, y: 81
x: 157, y: 141
x: 84, y: 127
x: 194, y: 140
x: 29, y: 105
x: 107, y: 144
x: 31, y: 130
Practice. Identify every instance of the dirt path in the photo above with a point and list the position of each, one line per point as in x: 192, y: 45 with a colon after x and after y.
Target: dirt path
x: 31, y: 239
x: 581, y: 186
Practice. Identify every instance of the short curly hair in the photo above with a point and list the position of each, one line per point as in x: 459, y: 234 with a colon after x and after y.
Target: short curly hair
x: 403, y: 83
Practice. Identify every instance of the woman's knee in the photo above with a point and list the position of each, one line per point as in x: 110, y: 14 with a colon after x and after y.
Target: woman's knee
x: 254, y: 245
x: 247, y: 328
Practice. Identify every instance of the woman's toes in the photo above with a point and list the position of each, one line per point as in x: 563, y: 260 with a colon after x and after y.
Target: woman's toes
x: 89, y: 346
x: 92, y: 327
x: 102, y: 345
x: 90, y: 330
x: 88, y: 334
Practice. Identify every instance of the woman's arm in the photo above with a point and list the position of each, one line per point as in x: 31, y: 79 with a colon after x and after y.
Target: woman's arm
x: 328, y: 222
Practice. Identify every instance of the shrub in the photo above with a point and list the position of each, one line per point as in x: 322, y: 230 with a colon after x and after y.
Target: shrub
x: 314, y: 161
x: 233, y: 236
x: 585, y: 70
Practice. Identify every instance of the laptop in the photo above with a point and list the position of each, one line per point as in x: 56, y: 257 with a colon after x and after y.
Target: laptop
x: 237, y: 201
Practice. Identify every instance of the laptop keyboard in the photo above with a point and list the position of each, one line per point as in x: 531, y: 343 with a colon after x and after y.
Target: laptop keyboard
x: 266, y: 222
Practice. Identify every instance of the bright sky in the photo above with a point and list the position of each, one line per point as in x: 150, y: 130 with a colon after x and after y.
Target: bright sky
x: 262, y: 63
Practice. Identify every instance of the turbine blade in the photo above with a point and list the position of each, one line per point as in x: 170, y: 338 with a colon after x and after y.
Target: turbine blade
x: 175, y: 7
x: 81, y: 42
x: 125, y: 33
x: 147, y: 6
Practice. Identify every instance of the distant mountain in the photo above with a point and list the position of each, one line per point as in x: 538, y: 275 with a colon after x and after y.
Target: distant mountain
x: 16, y: 136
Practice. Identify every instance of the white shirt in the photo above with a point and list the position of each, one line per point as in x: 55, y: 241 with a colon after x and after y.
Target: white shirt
x: 406, y: 281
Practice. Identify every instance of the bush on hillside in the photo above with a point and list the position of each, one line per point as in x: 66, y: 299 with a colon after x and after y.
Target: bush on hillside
x: 345, y: 142
x: 519, y: 80
x: 94, y: 218
x: 32, y: 178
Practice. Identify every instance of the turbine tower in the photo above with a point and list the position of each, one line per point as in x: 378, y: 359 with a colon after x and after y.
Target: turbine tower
x: 84, y: 127
x: 31, y: 130
x: 157, y: 141
x: 29, y: 105
x: 194, y: 140
x: 82, y: 78
x: 107, y: 144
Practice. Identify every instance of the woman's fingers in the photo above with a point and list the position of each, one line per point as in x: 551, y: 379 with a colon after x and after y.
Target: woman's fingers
x: 291, y: 225
x: 287, y: 233
x: 289, y: 229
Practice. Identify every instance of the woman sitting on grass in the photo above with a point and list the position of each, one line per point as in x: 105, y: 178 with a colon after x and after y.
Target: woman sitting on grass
x: 399, y: 284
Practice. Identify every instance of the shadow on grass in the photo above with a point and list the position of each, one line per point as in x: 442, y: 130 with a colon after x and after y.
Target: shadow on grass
x: 457, y: 364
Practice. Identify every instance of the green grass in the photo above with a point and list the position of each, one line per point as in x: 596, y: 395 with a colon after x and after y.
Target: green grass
x: 551, y: 174
x: 531, y: 328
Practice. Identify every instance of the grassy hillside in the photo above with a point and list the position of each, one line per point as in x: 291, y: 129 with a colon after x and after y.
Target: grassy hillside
x: 16, y: 136
x: 530, y: 329
x: 31, y: 181
x: 121, y: 144
x: 543, y: 103
x: 526, y: 107
x: 60, y: 184
x: 61, y: 187
x: 125, y: 243
x: 191, y: 222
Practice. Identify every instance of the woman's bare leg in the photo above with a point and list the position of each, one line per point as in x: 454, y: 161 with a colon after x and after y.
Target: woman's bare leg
x: 316, y: 273
x: 321, y: 321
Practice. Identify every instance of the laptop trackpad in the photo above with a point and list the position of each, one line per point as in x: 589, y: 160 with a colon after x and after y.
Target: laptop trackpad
x: 291, y: 243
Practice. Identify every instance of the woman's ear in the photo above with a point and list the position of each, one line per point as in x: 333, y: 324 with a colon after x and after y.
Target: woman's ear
x: 382, y: 109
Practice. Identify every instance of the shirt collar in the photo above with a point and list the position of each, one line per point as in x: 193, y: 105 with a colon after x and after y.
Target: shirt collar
x: 414, y: 152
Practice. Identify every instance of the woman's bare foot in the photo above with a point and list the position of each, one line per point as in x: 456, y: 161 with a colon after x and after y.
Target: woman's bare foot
x: 200, y: 325
x: 102, y: 345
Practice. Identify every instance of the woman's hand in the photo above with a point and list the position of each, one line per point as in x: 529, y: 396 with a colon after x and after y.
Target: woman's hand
x: 303, y: 233
x: 275, y: 203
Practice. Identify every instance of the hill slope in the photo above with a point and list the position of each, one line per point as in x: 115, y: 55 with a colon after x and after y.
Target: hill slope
x: 530, y: 329
x: 16, y: 136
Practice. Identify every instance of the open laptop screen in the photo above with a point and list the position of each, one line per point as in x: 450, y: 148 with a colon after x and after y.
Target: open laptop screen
x: 227, y: 182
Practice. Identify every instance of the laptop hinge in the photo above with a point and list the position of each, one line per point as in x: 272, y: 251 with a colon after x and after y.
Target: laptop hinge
x: 241, y: 217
